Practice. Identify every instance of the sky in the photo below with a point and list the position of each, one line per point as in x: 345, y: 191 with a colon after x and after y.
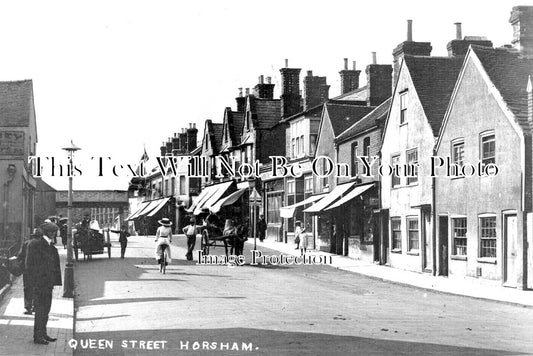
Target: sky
x: 118, y: 76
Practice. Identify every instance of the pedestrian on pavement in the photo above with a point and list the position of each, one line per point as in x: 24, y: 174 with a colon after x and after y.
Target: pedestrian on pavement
x: 63, y: 231
x: 123, y: 235
x: 297, y: 232
x: 304, y: 242
x: 42, y: 267
x: 28, y: 287
x: 190, y: 233
x: 262, y: 227
x: 163, y: 236
x: 242, y: 236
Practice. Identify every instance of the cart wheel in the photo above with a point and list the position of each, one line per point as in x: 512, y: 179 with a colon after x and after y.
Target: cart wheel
x: 205, y: 243
x: 109, y: 251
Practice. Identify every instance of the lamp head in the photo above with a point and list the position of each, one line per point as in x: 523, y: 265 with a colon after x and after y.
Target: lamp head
x: 72, y: 148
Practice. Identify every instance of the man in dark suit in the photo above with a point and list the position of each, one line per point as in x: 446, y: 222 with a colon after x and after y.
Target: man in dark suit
x: 28, y: 287
x: 44, y: 272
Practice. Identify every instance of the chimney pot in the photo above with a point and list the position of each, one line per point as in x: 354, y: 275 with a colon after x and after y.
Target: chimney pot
x: 193, y: 125
x: 309, y: 73
x: 240, y: 92
x: 261, y: 79
x: 410, y: 30
x: 247, y: 91
x: 346, y: 63
x: 175, y: 134
x: 374, y: 58
x: 458, y: 31
x: 286, y: 63
x: 269, y: 80
x: 353, y: 65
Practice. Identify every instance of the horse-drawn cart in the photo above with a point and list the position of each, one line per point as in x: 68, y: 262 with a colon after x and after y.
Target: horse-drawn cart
x: 232, y: 237
x: 90, y: 242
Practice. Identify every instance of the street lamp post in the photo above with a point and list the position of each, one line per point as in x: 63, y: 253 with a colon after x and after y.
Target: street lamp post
x: 68, y: 282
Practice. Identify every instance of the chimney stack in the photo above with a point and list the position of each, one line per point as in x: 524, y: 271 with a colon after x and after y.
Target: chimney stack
x: 263, y: 90
x: 169, y: 146
x: 459, y: 46
x: 290, y: 90
x: 183, y: 140
x: 241, y: 101
x: 349, y: 78
x: 458, y: 31
x: 410, y: 48
x: 379, y: 82
x: 316, y: 90
x: 191, y: 136
x: 175, y: 145
x: 522, y: 21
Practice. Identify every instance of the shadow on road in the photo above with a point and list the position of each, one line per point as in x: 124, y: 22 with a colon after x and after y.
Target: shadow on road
x: 265, y: 342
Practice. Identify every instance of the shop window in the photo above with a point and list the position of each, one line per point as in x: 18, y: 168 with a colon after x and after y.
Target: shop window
x: 459, y: 236
x: 396, y: 227
x: 488, y: 149
x: 308, y: 184
x: 413, y: 234
x: 487, y: 236
x: 412, y: 164
x: 395, y: 161
x: 458, y: 152
x: 355, y: 160
x: 403, y: 108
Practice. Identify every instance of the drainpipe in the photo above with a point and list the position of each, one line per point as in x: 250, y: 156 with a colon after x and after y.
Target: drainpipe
x: 434, y: 225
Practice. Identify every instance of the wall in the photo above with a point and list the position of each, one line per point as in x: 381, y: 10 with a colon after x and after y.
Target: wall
x: 474, y: 111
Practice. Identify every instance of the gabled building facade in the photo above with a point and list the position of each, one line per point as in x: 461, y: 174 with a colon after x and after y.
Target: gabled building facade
x: 485, y: 221
x: 421, y: 95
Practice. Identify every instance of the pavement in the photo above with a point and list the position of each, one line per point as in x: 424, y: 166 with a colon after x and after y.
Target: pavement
x: 16, y: 328
x: 465, y: 286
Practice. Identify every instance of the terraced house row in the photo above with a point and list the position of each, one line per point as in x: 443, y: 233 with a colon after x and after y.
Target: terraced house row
x: 472, y: 108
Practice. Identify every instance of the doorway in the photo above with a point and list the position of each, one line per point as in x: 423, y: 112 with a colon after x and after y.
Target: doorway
x: 510, y: 251
x: 427, y: 258
x: 443, y: 245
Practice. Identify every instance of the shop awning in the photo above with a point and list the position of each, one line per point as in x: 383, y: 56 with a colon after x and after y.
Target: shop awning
x: 218, y: 191
x: 336, y: 193
x: 204, y: 194
x: 158, y: 207
x: 148, y: 207
x: 143, y: 205
x: 288, y: 211
x: 355, y: 192
x: 229, y: 200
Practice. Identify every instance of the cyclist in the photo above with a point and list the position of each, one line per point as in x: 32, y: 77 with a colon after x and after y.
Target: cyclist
x: 163, y: 236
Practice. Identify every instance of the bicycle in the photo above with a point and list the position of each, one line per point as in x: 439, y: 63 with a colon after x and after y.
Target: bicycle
x: 163, y: 260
